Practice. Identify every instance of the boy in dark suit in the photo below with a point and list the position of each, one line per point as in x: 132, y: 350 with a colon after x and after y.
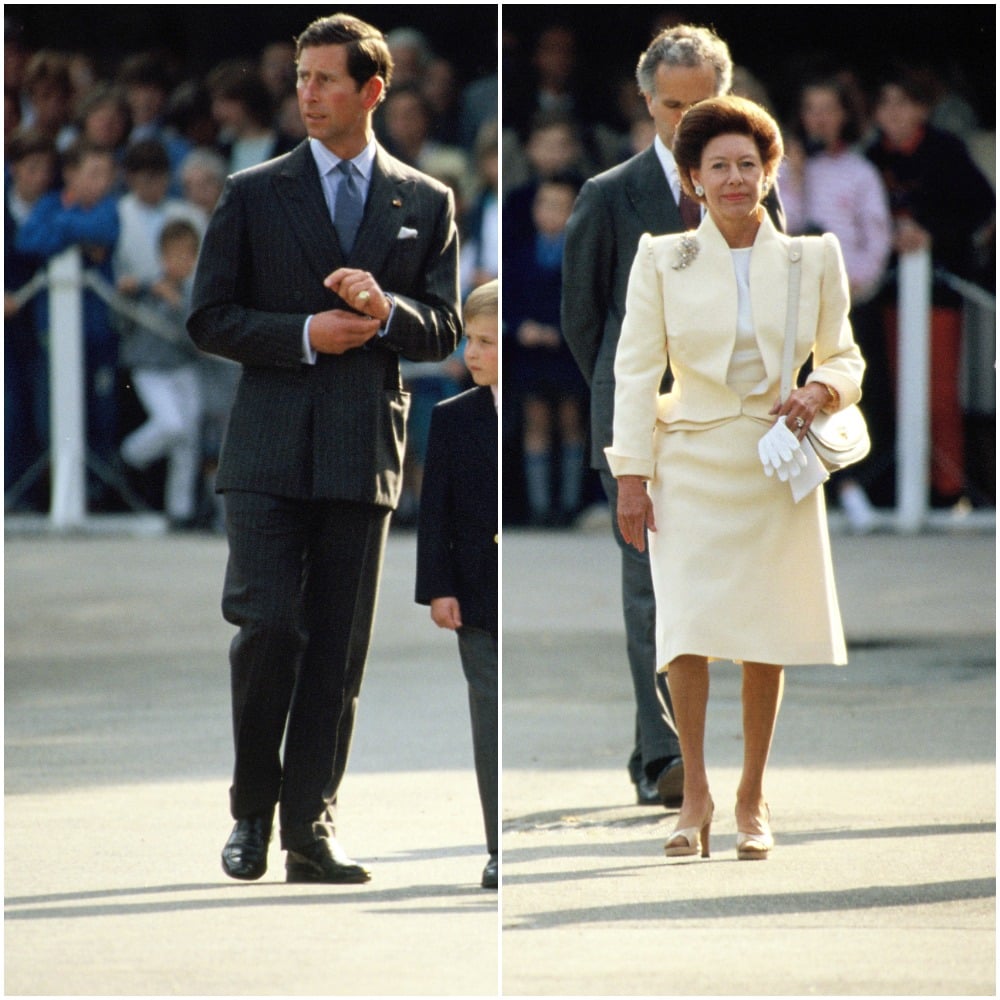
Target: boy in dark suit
x: 457, y: 542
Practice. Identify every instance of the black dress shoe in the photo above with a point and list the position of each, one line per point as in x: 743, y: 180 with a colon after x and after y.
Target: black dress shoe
x: 670, y: 784
x: 491, y: 873
x: 646, y: 793
x: 323, y: 861
x: 245, y: 853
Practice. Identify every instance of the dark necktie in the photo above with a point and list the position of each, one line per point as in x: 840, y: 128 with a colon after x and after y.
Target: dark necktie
x: 348, y: 208
x: 690, y: 211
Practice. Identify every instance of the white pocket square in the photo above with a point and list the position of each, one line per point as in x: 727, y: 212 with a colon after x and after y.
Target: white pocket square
x: 406, y: 234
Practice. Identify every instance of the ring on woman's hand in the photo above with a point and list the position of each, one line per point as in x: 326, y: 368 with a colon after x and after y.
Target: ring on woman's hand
x: 364, y: 296
x: 800, y: 423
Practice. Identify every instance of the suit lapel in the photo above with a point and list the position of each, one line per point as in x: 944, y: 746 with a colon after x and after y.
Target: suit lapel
x: 770, y: 300
x: 390, y: 195
x: 300, y: 194
x: 650, y: 195
x: 485, y: 417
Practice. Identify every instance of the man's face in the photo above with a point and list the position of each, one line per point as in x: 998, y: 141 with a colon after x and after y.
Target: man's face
x: 552, y: 207
x: 149, y: 186
x: 92, y: 180
x: 898, y: 115
x: 179, y: 258
x: 33, y: 176
x: 334, y: 109
x: 677, y: 89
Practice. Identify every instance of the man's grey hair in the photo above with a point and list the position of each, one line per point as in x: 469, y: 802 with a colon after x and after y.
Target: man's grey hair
x: 686, y: 45
x: 205, y: 159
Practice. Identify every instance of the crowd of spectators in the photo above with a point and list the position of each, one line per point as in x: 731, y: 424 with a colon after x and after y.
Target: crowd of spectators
x: 886, y: 163
x: 127, y: 161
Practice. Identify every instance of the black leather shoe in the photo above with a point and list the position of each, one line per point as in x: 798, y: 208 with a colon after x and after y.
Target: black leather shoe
x: 491, y: 873
x: 245, y: 853
x: 670, y: 784
x: 323, y: 861
x: 646, y: 793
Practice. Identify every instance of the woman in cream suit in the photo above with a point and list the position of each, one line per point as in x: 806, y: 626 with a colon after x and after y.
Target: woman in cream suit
x: 741, y: 571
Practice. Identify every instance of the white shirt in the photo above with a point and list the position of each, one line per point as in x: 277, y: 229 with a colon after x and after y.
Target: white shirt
x: 330, y: 176
x: 669, y: 164
x: 326, y: 164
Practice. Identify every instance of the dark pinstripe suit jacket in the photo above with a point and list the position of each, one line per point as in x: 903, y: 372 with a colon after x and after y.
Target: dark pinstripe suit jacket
x: 335, y: 430
x: 457, y: 540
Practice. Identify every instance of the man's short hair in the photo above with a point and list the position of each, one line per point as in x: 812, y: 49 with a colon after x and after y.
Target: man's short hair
x: 177, y: 230
x: 238, y: 80
x: 483, y: 301
x: 367, y: 52
x: 27, y: 141
x: 79, y: 150
x: 686, y: 45
x: 48, y: 69
x: 147, y: 156
x: 203, y: 158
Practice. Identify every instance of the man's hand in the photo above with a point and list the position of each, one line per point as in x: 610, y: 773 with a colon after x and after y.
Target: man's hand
x: 360, y: 291
x: 128, y: 284
x: 533, y: 334
x: 337, y: 330
x: 446, y: 613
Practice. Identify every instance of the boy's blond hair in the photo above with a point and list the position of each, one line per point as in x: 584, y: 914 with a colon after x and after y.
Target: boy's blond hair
x: 483, y: 301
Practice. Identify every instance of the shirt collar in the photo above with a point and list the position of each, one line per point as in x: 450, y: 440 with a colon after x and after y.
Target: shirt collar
x: 327, y: 161
x: 667, y: 161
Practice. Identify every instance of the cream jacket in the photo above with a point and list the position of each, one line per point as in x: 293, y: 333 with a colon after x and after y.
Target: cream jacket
x: 686, y: 317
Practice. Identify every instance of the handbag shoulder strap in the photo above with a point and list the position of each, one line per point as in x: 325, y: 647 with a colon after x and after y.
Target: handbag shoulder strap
x: 792, y: 314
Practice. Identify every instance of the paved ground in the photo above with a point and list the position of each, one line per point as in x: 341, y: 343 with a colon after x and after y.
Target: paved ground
x: 117, y: 758
x: 117, y: 766
x: 882, y: 788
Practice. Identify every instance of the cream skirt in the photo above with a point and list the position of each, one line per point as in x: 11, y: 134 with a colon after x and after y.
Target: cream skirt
x: 740, y: 571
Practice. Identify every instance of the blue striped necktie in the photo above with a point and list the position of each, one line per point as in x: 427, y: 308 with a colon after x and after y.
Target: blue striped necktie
x: 348, y: 208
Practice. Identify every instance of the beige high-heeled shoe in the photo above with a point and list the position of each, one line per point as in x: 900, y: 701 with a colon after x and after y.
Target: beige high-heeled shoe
x: 691, y: 840
x: 755, y: 846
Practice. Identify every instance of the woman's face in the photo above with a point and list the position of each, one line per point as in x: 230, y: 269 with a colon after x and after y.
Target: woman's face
x: 732, y: 174
x: 823, y: 117
x: 898, y: 115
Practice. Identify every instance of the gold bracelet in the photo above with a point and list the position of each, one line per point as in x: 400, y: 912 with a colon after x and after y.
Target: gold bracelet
x: 833, y: 397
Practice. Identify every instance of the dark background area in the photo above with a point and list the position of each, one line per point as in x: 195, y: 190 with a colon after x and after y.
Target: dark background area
x: 777, y: 42
x: 201, y: 36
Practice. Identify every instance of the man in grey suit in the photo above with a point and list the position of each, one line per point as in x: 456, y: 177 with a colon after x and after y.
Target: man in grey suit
x: 682, y: 66
x: 320, y: 269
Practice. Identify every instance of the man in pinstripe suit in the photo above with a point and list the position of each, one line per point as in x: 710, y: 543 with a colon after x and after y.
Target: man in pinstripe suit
x: 316, y: 275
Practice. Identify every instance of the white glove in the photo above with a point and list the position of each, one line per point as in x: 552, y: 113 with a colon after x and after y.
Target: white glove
x: 781, y: 453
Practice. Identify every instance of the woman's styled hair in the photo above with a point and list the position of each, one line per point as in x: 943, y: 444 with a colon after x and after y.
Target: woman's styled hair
x: 725, y: 116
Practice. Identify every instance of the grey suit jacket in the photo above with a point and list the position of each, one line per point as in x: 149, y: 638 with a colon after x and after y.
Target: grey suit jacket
x: 334, y: 430
x: 612, y: 212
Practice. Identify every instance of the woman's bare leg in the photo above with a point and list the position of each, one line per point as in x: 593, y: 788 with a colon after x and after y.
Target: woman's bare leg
x: 763, y: 685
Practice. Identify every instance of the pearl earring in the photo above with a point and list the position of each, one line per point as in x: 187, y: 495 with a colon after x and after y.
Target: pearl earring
x: 699, y: 190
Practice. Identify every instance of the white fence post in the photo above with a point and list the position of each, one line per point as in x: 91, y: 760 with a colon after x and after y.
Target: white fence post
x: 67, y: 404
x: 912, y: 392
